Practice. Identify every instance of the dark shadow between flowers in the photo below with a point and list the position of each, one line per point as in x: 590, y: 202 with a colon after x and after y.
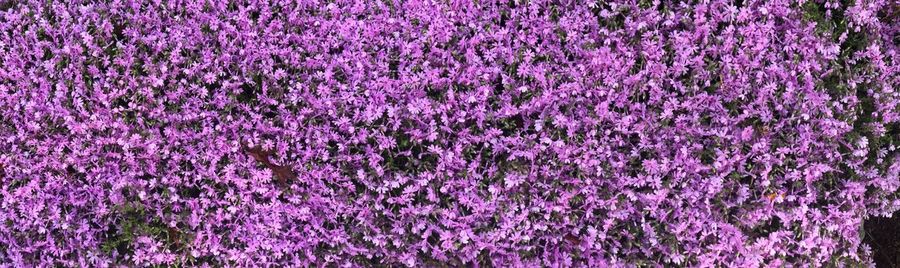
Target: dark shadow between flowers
x: 883, y: 235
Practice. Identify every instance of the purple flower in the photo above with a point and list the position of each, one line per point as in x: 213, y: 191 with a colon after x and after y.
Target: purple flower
x: 523, y: 133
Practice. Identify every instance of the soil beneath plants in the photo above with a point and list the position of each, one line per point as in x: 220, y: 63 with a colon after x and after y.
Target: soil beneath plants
x: 883, y: 235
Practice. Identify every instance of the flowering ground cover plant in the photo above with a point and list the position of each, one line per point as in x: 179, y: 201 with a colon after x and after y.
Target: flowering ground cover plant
x: 446, y: 133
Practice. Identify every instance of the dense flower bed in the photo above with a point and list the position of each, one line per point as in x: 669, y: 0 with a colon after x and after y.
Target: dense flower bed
x: 506, y: 133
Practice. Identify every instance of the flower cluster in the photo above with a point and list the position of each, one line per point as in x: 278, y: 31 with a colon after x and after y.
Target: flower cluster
x: 462, y: 132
